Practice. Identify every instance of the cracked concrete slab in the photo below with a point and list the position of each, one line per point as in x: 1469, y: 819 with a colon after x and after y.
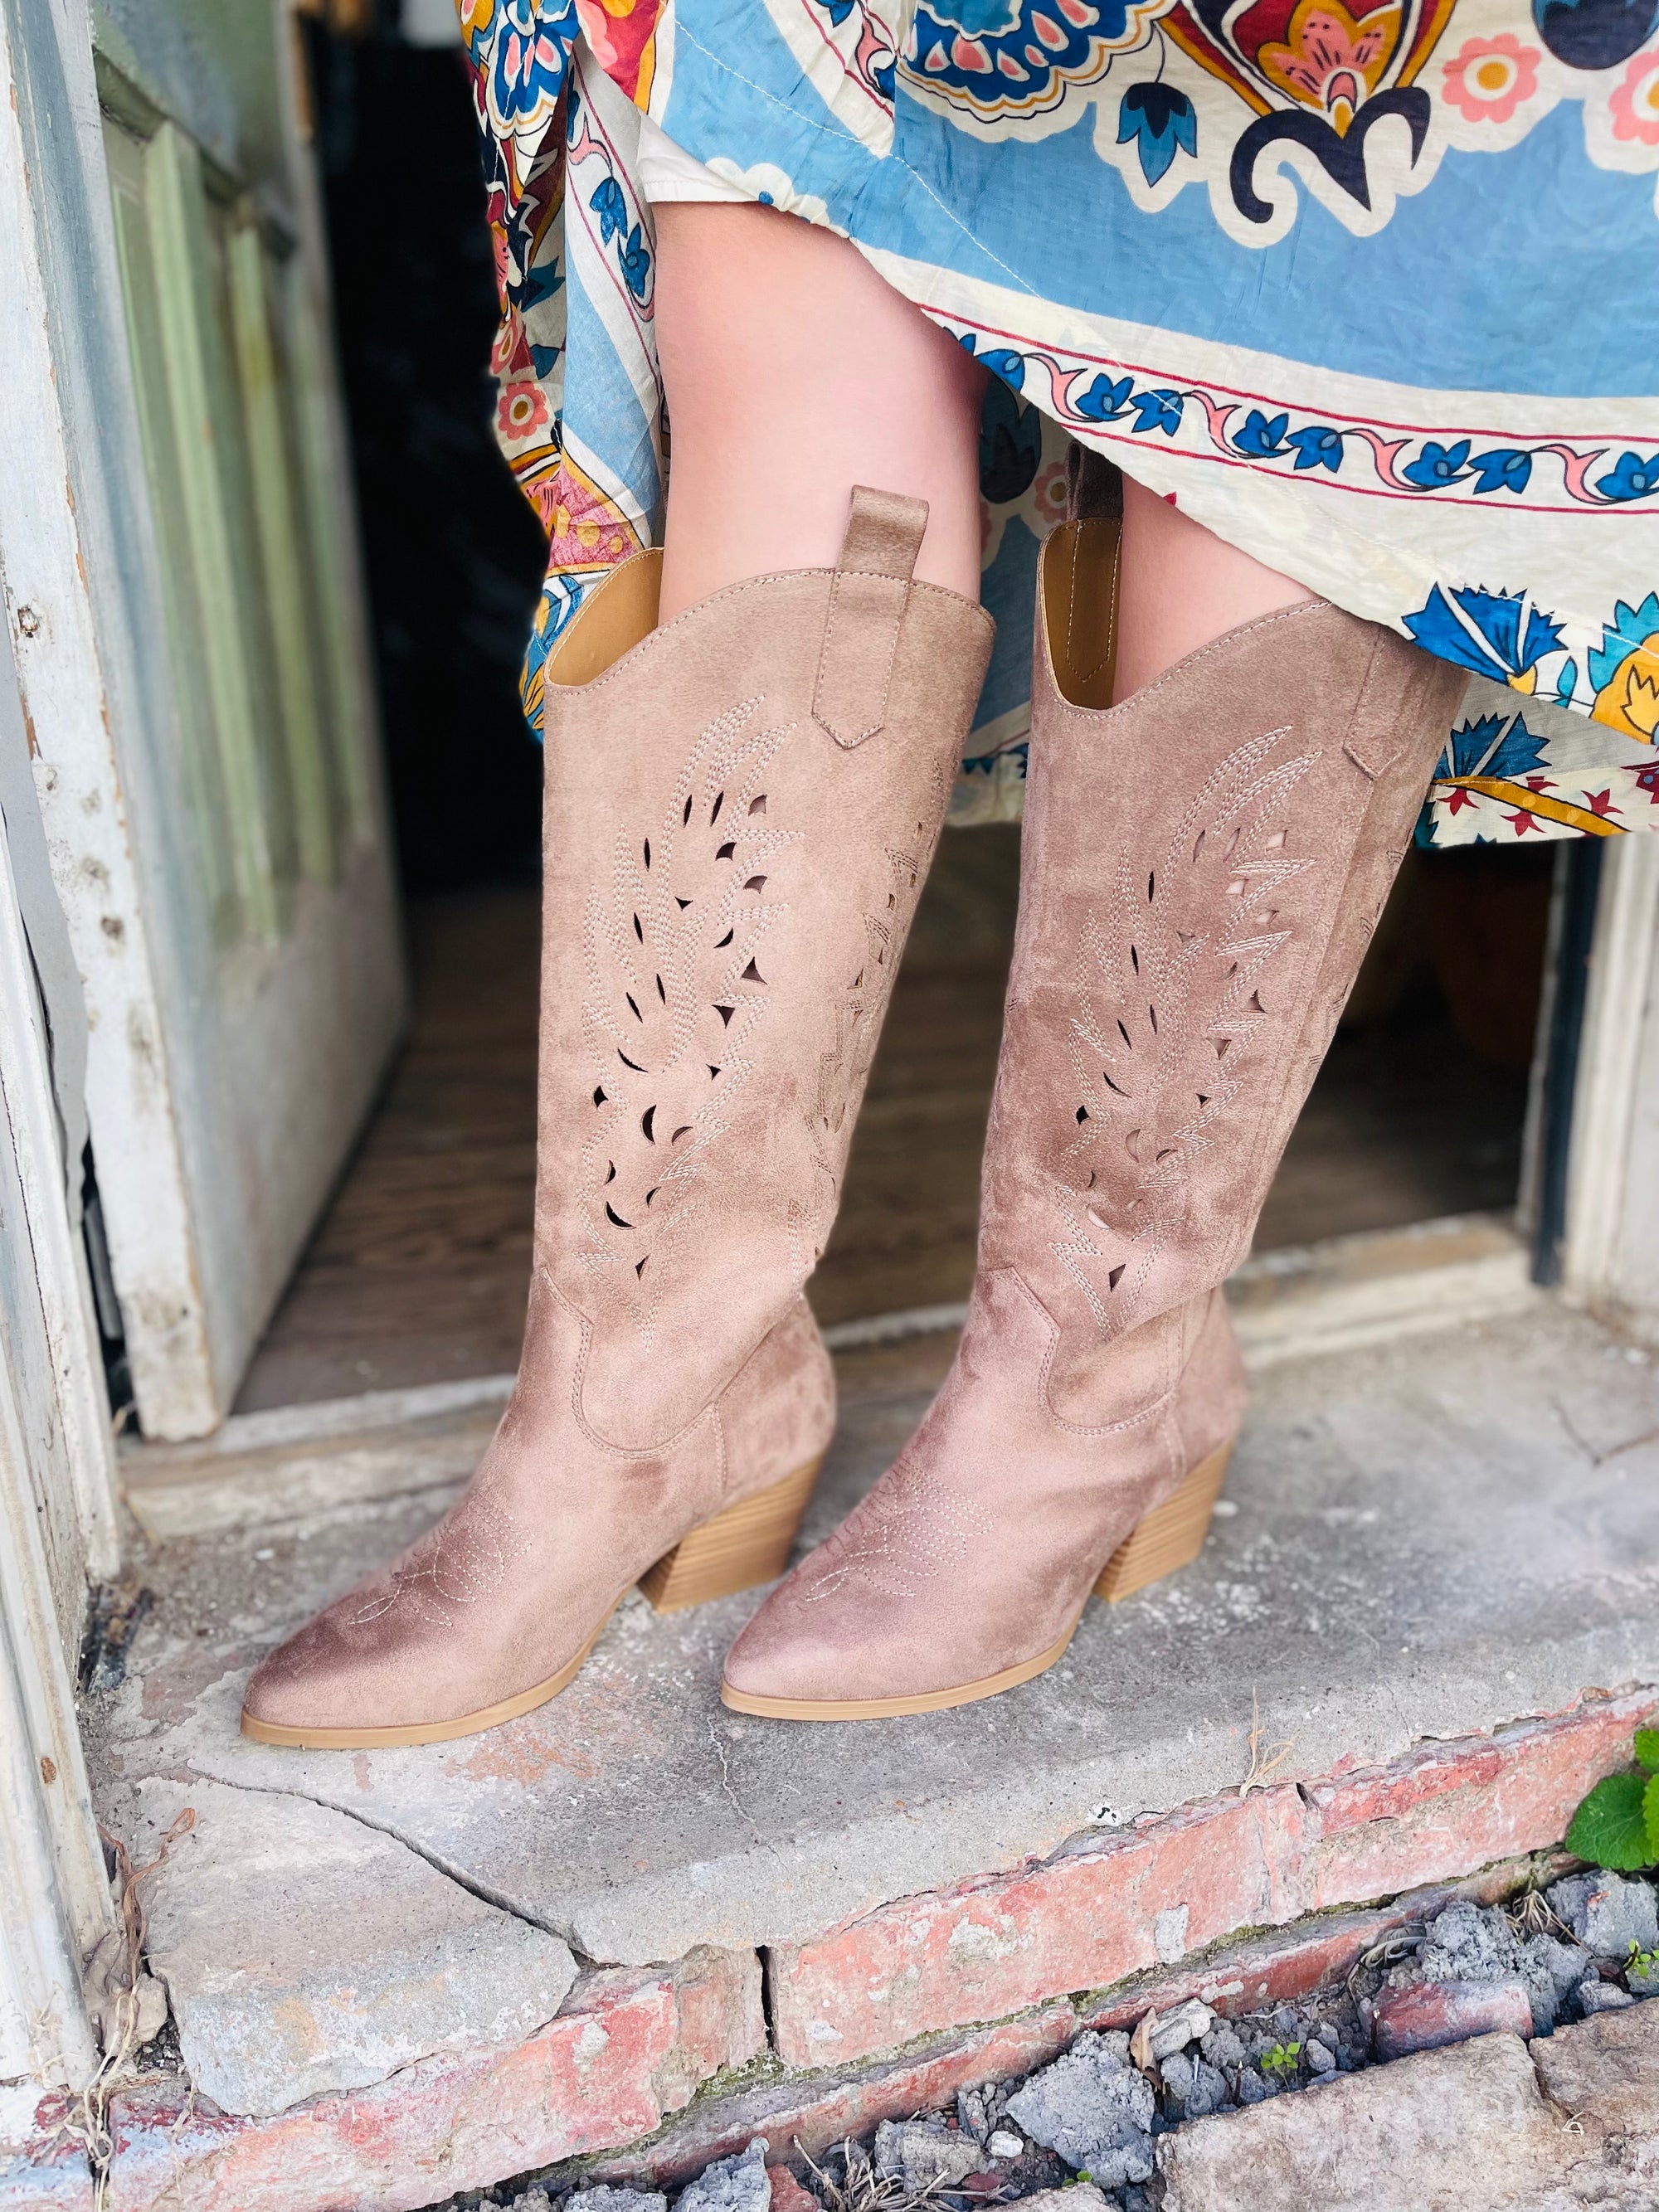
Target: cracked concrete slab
x: 1426, y: 1540
x: 304, y: 1952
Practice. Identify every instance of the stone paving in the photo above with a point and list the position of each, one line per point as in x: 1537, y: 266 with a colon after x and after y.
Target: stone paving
x: 1492, y: 2125
x: 1430, y: 1541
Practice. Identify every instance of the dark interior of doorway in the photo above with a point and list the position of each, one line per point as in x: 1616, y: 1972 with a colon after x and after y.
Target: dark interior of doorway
x: 418, y: 1272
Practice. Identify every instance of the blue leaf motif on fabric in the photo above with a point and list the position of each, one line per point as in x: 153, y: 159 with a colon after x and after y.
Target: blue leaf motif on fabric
x: 1630, y: 628
x: 544, y: 280
x: 1157, y: 410
x: 1437, y: 465
x: 1630, y: 478
x: 635, y: 263
x: 1503, y: 468
x: 1161, y: 121
x: 527, y: 58
x: 975, y: 51
x: 1594, y: 34
x: 1494, y: 745
x: 1263, y: 439
x: 980, y: 19
x: 838, y: 11
x: 1318, y: 447
x: 1566, y: 684
x: 1497, y: 633
x: 611, y: 208
x: 1006, y: 364
x: 1106, y: 399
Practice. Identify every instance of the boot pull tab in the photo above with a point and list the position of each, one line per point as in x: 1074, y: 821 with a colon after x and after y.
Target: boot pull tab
x: 868, y: 599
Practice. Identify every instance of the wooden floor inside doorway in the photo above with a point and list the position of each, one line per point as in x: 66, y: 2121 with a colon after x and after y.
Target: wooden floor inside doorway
x: 417, y: 1273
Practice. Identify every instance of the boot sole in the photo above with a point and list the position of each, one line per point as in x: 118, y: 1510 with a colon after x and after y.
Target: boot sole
x: 747, y: 1544
x: 1171, y: 1536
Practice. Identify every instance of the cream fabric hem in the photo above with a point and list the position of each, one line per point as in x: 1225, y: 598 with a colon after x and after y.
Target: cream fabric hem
x: 663, y: 171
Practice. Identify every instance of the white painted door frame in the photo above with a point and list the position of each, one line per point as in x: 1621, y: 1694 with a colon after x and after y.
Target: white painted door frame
x: 73, y: 546
x: 58, y: 1526
x: 224, y: 1081
x: 1610, y: 1248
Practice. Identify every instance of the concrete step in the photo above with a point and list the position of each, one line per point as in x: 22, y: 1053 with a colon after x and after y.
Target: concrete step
x: 1434, y: 1592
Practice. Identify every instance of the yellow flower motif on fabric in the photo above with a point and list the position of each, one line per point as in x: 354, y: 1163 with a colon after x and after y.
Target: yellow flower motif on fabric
x: 1630, y: 704
x: 1330, y: 60
x: 1625, y: 672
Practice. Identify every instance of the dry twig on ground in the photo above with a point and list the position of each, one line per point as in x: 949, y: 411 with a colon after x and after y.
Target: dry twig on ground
x: 1262, y: 1770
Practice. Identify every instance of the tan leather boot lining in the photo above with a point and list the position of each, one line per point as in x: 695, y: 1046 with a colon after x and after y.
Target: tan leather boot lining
x: 620, y: 613
x: 1080, y: 606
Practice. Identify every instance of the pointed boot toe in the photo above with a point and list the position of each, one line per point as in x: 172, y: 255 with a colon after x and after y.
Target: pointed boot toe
x: 328, y: 1675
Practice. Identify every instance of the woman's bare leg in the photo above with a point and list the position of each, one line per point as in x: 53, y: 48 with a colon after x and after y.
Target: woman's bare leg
x: 792, y: 372
x: 1180, y: 585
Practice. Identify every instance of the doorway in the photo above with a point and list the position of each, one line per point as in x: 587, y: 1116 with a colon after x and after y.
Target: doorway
x: 417, y: 1274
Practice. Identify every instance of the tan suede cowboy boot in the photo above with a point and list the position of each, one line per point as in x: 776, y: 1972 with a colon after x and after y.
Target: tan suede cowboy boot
x: 1202, y: 869
x: 741, y: 808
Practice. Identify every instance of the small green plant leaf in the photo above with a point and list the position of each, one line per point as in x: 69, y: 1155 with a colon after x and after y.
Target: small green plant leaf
x: 1610, y: 1829
x: 1647, y: 1749
x: 1651, y: 1815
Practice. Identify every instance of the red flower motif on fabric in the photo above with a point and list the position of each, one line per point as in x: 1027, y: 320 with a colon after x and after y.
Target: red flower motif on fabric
x: 1601, y: 802
x: 521, y: 409
x: 1522, y: 823
x: 1488, y: 80
x: 1635, y: 103
x: 1457, y: 799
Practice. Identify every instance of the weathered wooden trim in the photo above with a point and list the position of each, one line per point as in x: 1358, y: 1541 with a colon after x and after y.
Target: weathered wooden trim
x: 225, y: 1078
x: 1611, y: 1247
x: 80, y: 1505
x: 56, y: 1524
x: 73, y: 541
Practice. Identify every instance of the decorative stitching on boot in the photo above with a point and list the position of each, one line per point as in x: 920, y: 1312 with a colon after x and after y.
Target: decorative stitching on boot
x: 844, y: 1066
x: 909, y: 1533
x: 1169, y: 1013
x: 455, y: 1565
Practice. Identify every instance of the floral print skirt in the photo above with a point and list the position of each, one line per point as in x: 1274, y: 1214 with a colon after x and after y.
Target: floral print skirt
x: 1375, y: 295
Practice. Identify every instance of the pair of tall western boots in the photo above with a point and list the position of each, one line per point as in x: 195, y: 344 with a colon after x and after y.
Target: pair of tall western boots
x: 742, y: 807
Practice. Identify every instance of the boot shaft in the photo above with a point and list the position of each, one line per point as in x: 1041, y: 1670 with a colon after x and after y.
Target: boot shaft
x: 1203, y: 868
x: 741, y: 809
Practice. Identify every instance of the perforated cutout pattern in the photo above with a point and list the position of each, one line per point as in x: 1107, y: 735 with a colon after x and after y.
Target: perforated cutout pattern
x: 679, y: 985
x: 1177, y: 985
x: 843, y: 1067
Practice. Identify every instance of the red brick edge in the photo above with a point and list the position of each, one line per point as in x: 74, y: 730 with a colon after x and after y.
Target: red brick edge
x: 1099, y: 1912
x: 633, y: 2049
